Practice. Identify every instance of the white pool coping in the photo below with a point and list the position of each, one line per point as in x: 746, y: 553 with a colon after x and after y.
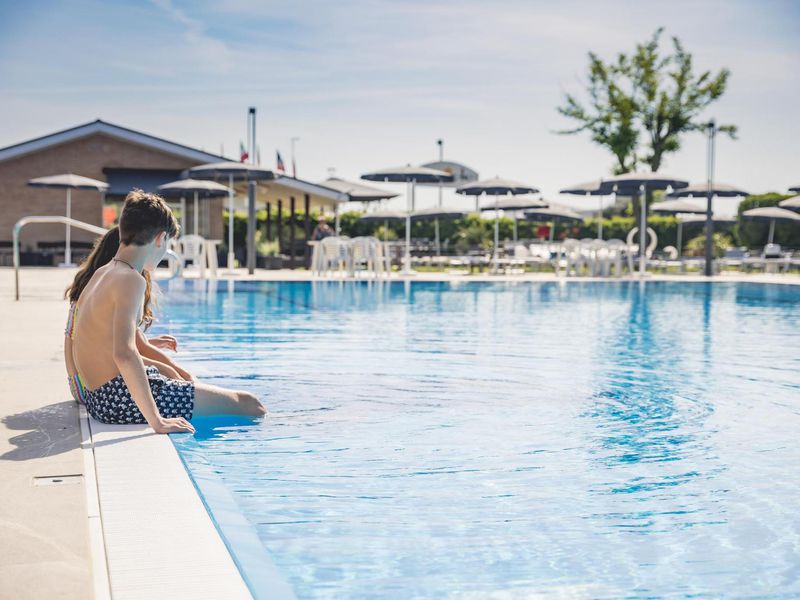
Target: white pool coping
x: 150, y: 533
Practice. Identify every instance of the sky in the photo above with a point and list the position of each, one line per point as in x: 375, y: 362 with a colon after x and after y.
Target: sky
x: 368, y: 84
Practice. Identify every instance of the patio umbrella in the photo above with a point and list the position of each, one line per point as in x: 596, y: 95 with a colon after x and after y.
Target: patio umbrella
x: 554, y: 213
x: 385, y: 216
x: 692, y: 219
x: 233, y: 171
x: 771, y: 214
x: 69, y: 182
x: 357, y: 192
x: 590, y: 188
x: 792, y: 203
x: 702, y: 190
x: 795, y: 188
x: 182, y: 187
x: 679, y: 207
x: 496, y: 187
x: 434, y: 214
x: 637, y: 184
x: 514, y: 204
x: 411, y: 176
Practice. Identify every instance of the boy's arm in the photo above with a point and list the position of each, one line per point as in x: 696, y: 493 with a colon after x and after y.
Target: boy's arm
x: 127, y: 299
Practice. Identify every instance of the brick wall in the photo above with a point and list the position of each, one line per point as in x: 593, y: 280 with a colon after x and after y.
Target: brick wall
x: 88, y: 157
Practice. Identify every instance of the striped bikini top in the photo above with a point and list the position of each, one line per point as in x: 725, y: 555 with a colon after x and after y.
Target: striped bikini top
x: 76, y: 386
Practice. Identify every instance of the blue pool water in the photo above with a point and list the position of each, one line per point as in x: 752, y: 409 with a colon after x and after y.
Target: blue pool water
x: 474, y: 440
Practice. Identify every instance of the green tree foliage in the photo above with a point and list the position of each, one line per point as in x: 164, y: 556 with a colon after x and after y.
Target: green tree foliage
x: 641, y: 104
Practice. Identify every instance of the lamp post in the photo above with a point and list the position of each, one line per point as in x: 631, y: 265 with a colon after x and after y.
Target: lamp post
x: 711, y: 129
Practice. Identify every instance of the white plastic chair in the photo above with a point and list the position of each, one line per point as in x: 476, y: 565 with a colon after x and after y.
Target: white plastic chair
x: 616, y: 253
x: 193, y: 247
x: 335, y: 252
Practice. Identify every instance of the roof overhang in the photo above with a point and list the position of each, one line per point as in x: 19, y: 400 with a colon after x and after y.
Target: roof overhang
x: 116, y: 131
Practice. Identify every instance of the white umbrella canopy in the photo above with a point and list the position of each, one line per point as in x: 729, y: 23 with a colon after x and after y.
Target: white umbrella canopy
x: 795, y: 188
x: 676, y: 206
x: 723, y: 190
x: 408, y: 173
x: 701, y: 218
x: 771, y: 214
x: 592, y: 188
x: 524, y: 202
x: 197, y: 187
x: 383, y: 215
x: 411, y: 175
x: 357, y: 192
x: 232, y: 171
x: 791, y: 203
x: 631, y: 182
x: 68, y: 181
x: 496, y: 186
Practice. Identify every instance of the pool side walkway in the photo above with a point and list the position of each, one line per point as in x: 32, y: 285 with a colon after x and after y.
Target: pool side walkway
x: 45, y: 529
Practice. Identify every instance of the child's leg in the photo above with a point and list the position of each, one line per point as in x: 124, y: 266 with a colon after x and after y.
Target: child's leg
x: 213, y: 400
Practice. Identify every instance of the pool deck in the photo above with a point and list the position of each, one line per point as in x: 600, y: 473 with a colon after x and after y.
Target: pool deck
x: 82, y: 514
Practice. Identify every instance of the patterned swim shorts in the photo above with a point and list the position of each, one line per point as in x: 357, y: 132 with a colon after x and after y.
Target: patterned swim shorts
x: 112, y: 402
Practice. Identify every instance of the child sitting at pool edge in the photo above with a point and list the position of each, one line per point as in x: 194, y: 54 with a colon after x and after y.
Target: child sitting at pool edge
x: 118, y: 387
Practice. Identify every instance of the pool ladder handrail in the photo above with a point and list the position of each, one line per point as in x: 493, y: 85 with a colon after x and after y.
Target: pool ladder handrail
x: 172, y: 256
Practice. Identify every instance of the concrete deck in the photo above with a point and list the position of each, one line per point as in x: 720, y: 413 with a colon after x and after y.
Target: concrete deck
x: 44, y: 529
x: 44, y: 542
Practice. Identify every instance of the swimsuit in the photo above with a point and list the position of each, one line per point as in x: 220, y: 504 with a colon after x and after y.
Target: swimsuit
x: 112, y: 402
x: 76, y: 387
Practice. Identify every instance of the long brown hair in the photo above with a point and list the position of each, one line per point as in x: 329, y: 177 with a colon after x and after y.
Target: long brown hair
x: 102, y: 252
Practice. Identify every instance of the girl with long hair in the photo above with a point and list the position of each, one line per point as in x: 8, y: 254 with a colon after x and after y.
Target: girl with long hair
x: 150, y: 349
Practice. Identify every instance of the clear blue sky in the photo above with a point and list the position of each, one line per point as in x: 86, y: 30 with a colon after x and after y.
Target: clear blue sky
x: 371, y: 84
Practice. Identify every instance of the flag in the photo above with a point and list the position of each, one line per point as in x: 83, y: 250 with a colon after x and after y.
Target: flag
x: 243, y: 155
x: 279, y: 166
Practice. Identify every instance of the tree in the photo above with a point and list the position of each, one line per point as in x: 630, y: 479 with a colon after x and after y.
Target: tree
x: 645, y: 98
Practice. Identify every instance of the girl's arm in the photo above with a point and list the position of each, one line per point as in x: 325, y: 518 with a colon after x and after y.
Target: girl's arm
x: 148, y: 351
x: 165, y: 370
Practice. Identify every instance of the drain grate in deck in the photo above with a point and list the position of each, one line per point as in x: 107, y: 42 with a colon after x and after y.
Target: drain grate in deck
x: 58, y: 479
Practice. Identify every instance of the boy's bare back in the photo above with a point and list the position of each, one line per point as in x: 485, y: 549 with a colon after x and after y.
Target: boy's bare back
x: 114, y: 293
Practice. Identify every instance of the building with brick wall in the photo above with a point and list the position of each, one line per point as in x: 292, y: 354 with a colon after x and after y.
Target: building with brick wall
x: 127, y: 159
x: 120, y: 156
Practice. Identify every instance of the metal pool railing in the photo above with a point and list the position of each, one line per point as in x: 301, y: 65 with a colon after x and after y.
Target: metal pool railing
x: 172, y: 256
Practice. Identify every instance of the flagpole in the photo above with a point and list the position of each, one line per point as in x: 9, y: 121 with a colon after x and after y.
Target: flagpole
x: 294, y: 164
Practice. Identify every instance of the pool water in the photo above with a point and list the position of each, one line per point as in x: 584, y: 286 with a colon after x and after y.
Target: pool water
x: 516, y: 440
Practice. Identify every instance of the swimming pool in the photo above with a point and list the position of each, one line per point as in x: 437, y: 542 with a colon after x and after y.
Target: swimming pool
x: 474, y: 440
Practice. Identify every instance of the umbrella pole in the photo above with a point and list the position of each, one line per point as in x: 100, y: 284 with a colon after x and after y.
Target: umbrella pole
x: 771, y: 230
x: 409, y: 204
x: 680, y: 238
x: 515, y: 226
x: 552, y: 230
x: 183, y: 215
x: 196, y: 215
x: 68, y: 249
x: 230, y: 225
x: 385, y: 231
x: 642, y: 230
x: 496, y: 234
x: 436, y: 230
x: 599, y: 219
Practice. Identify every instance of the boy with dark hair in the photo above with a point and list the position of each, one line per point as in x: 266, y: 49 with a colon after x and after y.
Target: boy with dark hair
x: 118, y: 387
